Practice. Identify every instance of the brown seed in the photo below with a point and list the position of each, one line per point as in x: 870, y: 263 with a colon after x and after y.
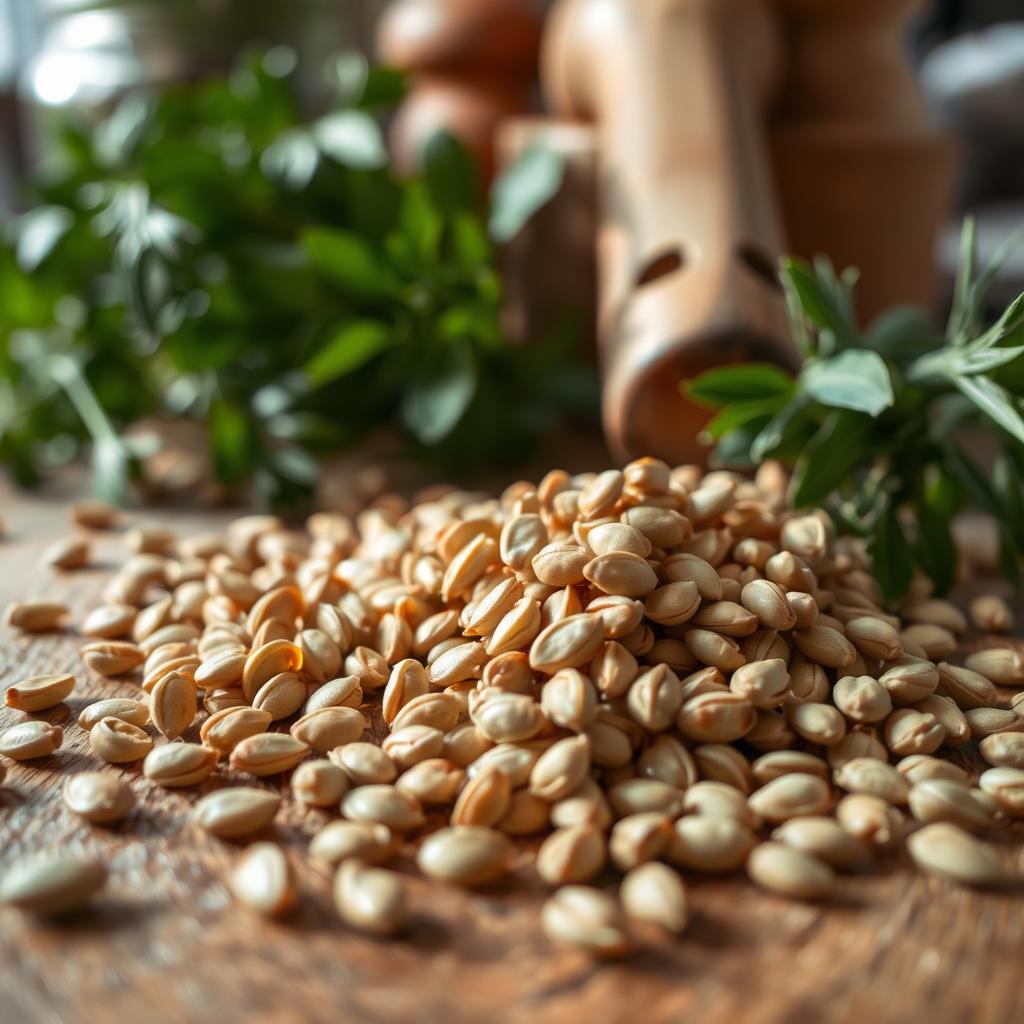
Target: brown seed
x: 343, y: 692
x: 527, y: 815
x: 319, y: 783
x: 585, y: 919
x: 763, y: 683
x: 36, y: 616
x: 713, y: 649
x: 267, y: 753
x: 225, y: 729
x: 371, y: 899
x: 281, y: 696
x: 236, y: 812
x: 716, y: 717
x: 569, y: 699
x: 790, y: 872
x: 945, y: 850
x: 870, y: 819
x: 262, y: 880
x: 109, y: 622
x: 434, y: 780
x: 969, y: 689
x: 825, y: 645
x: 622, y: 573
x: 862, y: 698
x: 991, y: 614
x: 99, y: 797
x: 639, y: 838
x: 1007, y: 786
x: 39, y: 693
x: 484, y: 799
x: 908, y: 731
x: 179, y: 764
x: 568, y: 643
x: 465, y: 855
x: 94, y: 514
x: 172, y: 704
x: 68, y: 553
x: 52, y: 884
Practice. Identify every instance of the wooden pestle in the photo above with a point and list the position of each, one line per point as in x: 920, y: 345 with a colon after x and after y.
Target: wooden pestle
x: 688, y: 237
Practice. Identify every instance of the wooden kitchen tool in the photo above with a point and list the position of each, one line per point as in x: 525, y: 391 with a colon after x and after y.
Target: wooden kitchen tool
x: 688, y: 239
x: 473, y: 63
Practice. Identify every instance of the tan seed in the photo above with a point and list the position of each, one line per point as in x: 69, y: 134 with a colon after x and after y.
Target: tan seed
x: 172, y: 704
x: 946, y: 850
x: 38, y: 693
x: 639, y: 838
x: 484, y: 799
x: 268, y: 753
x: 371, y: 899
x: 262, y: 880
x: 873, y: 778
x: 99, y: 797
x: 225, y: 729
x: 714, y: 844
x: 433, y: 781
x: 237, y: 812
x: 1003, y: 750
x: 94, y: 514
x: 870, y: 819
x: 791, y: 796
x: 465, y: 855
x: 319, y: 783
x: 119, y: 742
x: 560, y: 770
x: 790, y: 872
x: 330, y: 727
x: 1003, y: 665
x: 991, y: 614
x: 1007, y: 786
x: 36, y: 616
x: 822, y: 838
x: 52, y: 884
x: 571, y: 855
x: 366, y: 841
x: 385, y: 805
x: 179, y: 764
x: 656, y: 894
x: 112, y: 657
x: 365, y: 763
x: 585, y: 919
x: 68, y: 553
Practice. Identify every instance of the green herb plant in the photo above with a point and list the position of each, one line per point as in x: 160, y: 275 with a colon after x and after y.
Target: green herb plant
x: 208, y: 252
x: 873, y: 425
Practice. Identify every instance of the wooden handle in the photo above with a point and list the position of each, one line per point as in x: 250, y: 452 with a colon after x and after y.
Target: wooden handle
x: 688, y: 238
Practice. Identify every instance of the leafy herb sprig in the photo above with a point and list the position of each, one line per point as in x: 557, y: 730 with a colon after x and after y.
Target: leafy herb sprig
x: 213, y: 253
x: 873, y: 423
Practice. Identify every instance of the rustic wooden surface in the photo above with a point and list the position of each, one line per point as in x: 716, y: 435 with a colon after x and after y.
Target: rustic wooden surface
x: 164, y: 942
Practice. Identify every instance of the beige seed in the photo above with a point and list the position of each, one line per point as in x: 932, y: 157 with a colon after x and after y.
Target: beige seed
x: 99, y: 797
x: 777, y: 763
x: 1007, y: 786
x: 319, y: 783
x: 371, y: 899
x: 223, y: 669
x: 763, y: 683
x: 824, y: 839
x: 654, y: 699
x: 36, y: 616
x: 991, y: 614
x: 621, y: 573
x: 484, y: 799
x: 119, y: 742
x: 918, y: 767
x: 941, y: 800
x: 263, y: 881
x: 790, y: 872
x: 507, y: 717
x: 944, y: 849
x: 588, y: 805
x: 179, y: 764
x: 365, y: 763
x: 432, y: 781
x: 39, y: 693
x: 68, y: 553
x: 568, y: 643
x: 109, y: 622
x: 135, y: 712
x: 874, y: 778
x: 714, y: 844
x: 52, y: 884
x: 527, y: 815
x: 654, y: 893
x: 716, y: 717
x: 172, y: 704
x: 721, y: 762
x: 516, y: 760
x: 713, y: 649
x: 907, y: 731
x: 987, y: 721
x: 225, y: 729
x: 412, y: 744
x: 94, y: 514
x: 585, y: 919
x: 768, y: 602
x: 668, y: 760
x: 571, y: 855
x: 932, y: 641
x: 874, y: 638
x: 385, y: 805
x: 1003, y: 750
x: 112, y: 657
x: 267, y: 753
x: 637, y: 795
x: 826, y: 646
x: 910, y: 679
x: 1002, y: 665
x: 366, y: 841
x: 862, y: 698
x: 791, y: 796
x: 330, y: 727
x: 465, y: 855
x: 969, y: 689
x: 237, y: 812
x: 281, y: 696
x: 870, y: 819
x: 569, y: 699
x: 561, y: 768
x: 639, y: 838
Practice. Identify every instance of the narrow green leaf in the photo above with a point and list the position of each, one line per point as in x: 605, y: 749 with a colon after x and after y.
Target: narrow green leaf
x: 891, y: 557
x: 37, y: 232
x: 351, y: 137
x: 856, y: 379
x: 232, y: 442
x: 971, y: 477
x: 350, y: 346
x: 350, y: 261
x: 450, y: 174
x: 524, y: 187
x: 739, y: 414
x: 995, y: 402
x: 901, y: 334
x: 935, y: 550
x: 832, y: 455
x: 439, y: 393
x: 961, y: 312
x: 815, y: 301
x: 741, y: 383
x: 1009, y: 489
x: 782, y: 431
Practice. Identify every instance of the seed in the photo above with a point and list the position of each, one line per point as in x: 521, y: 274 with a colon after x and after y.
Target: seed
x: 568, y: 643
x: 654, y: 699
x: 874, y: 778
x: 281, y: 696
x: 918, y: 767
x: 862, y: 698
x: 621, y: 573
x: 946, y: 850
x: 823, y: 838
x: 1002, y: 665
x: 778, y: 763
x: 560, y: 564
x: 371, y: 899
x: 262, y: 880
x: 874, y: 638
x: 484, y: 799
x: 585, y: 919
x: 383, y: 804
x: 560, y: 770
x: 222, y: 670
x: 710, y: 843
x: 969, y: 689
x: 910, y: 679
x: 1007, y: 786
x: 673, y: 603
x: 870, y: 819
x: 637, y: 795
x: 366, y: 841
x: 172, y: 704
x: 36, y: 616
x: 791, y: 796
x: 329, y: 727
x: 713, y: 649
x: 68, y: 553
x: 507, y: 717
x: 343, y: 692
x: 987, y: 721
x: 237, y: 812
x: 465, y: 854
x: 119, y: 742
x: 1003, y: 750
x: 112, y: 657
x: 365, y: 763
x: 955, y: 725
x: 716, y: 717
x: 319, y: 783
x: 656, y: 894
x: 790, y: 872
x: 110, y: 622
x: 99, y: 797
x: 720, y: 762
x: 527, y: 815
x: 667, y: 760
x: 521, y: 539
x: 268, y: 753
x: 38, y: 693
x: 52, y: 884
x: 859, y: 743
x: 569, y: 699
x: 932, y: 641
x: 991, y: 614
x: 942, y: 800
x: 639, y: 838
x: 225, y: 729
x: 434, y: 780
x: 179, y: 764
x: 135, y: 712
x: 587, y: 805
x: 825, y: 645
x: 95, y: 514
x: 571, y: 855
x: 412, y: 744
x: 763, y: 683
x: 608, y: 537
x: 908, y: 731
x: 515, y: 760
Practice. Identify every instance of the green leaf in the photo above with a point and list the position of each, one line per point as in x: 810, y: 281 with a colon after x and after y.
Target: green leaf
x: 449, y: 173
x: 231, y: 441
x: 817, y: 304
x: 784, y: 428
x: 524, y: 187
x: 890, y: 553
x: 352, y: 138
x: 855, y: 379
x: 733, y: 451
x: 935, y: 550
x: 420, y: 222
x: 37, y: 232
x: 832, y: 455
x: 961, y: 311
x: 741, y: 383
x: 439, y: 393
x: 348, y: 260
x: 350, y: 346
x: 971, y: 477
x: 995, y: 402
x: 738, y: 414
x: 1006, y: 482
x: 901, y: 334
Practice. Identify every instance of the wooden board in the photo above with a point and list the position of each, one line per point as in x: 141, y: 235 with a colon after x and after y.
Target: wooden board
x: 165, y: 944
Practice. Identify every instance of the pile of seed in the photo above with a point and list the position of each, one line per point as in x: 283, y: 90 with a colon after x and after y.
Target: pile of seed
x: 648, y: 673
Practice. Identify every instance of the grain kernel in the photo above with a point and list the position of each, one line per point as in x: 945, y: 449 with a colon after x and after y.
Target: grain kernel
x: 38, y: 693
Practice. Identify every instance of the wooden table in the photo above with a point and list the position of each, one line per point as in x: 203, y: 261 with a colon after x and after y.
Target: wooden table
x: 165, y: 943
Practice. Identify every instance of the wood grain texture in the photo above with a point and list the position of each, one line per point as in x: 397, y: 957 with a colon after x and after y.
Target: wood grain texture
x: 164, y: 942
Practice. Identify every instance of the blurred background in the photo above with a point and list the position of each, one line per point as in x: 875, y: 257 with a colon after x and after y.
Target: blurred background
x: 217, y: 276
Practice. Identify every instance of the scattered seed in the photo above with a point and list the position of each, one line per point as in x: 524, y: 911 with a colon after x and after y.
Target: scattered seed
x: 262, y: 880
x: 585, y: 919
x: 39, y: 693
x: 52, y: 884
x: 946, y: 850
x: 370, y: 898
x: 99, y: 797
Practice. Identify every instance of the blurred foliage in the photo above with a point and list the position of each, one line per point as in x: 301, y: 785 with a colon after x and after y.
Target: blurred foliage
x: 208, y: 253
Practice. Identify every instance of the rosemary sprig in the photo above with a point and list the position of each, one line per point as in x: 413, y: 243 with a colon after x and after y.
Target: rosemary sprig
x: 873, y: 423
